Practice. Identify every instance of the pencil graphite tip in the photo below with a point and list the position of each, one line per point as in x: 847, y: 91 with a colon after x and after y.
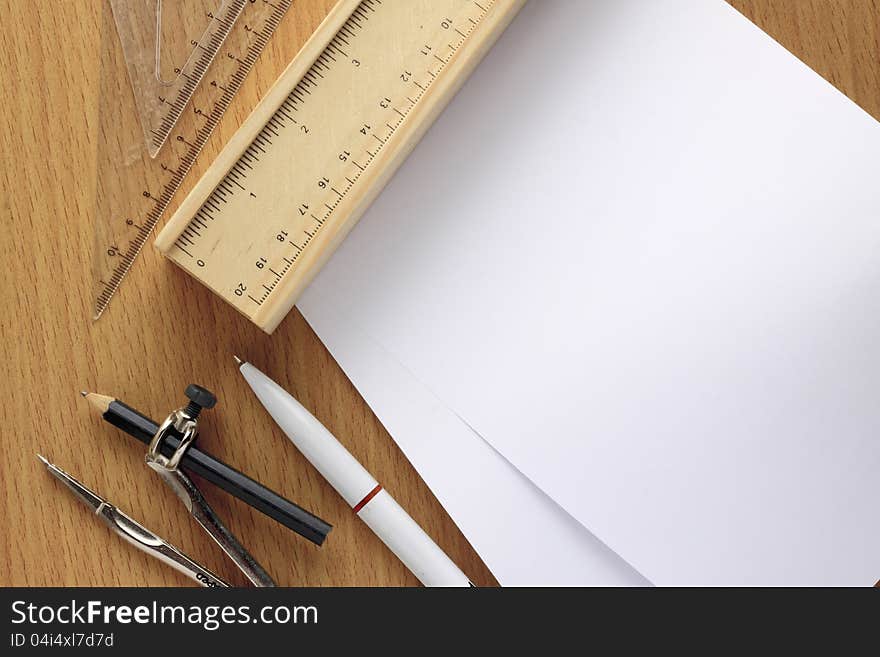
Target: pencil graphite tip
x: 100, y: 402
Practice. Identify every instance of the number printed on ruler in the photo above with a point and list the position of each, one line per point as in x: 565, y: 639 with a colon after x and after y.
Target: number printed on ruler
x: 126, y: 218
x: 283, y: 190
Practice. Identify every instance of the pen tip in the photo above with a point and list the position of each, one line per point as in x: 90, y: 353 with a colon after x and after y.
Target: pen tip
x: 84, y: 393
x: 237, y: 359
x: 43, y: 459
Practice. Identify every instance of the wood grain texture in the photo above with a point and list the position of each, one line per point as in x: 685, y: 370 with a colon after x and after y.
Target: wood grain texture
x: 165, y: 330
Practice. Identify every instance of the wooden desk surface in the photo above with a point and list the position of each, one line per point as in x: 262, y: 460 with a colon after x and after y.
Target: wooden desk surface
x: 164, y: 330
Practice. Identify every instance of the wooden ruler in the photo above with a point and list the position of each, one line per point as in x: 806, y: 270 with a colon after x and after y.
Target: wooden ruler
x: 134, y: 189
x: 323, y: 142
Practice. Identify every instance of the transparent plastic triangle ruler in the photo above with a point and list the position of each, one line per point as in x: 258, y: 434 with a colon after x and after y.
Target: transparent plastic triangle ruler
x: 169, y: 71
x: 168, y: 46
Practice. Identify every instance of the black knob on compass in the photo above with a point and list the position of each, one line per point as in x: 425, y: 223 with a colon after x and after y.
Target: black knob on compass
x: 199, y: 398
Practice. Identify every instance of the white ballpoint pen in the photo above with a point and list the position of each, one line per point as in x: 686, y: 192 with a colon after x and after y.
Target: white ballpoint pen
x: 366, y: 497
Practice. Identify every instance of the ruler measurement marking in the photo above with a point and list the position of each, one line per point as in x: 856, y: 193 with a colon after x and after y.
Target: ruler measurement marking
x: 281, y: 119
x: 154, y: 213
x: 184, y: 93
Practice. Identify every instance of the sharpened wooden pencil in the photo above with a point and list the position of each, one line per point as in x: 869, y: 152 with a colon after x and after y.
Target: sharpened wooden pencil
x: 213, y: 470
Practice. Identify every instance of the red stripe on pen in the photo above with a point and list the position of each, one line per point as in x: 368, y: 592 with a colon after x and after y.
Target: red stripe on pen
x: 360, y: 505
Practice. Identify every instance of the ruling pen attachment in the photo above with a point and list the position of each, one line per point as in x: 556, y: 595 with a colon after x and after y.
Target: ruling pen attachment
x: 134, y: 532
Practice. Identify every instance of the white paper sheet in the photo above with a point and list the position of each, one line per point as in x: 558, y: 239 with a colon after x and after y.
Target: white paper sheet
x: 524, y: 537
x: 640, y: 255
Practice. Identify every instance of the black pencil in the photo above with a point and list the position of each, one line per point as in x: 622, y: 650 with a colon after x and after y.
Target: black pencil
x: 206, y: 466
